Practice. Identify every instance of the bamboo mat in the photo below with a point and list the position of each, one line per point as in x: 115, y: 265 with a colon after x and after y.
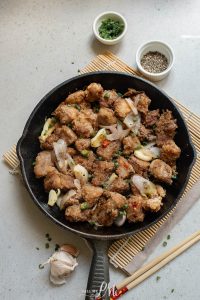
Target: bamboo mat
x: 122, y: 252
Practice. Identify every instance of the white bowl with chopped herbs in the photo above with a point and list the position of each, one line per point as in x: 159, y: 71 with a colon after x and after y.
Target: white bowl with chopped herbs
x: 109, y: 27
x: 155, y: 60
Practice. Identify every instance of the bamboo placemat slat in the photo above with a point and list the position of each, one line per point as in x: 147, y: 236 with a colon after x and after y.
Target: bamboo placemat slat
x: 122, y: 252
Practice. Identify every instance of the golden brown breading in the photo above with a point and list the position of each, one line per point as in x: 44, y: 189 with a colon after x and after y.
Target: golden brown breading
x: 82, y: 126
x: 74, y: 213
x: 91, y: 194
x: 107, y: 152
x: 165, y: 128
x: 108, y: 98
x: 124, y: 169
x: 151, y: 117
x: 142, y: 102
x: 130, y: 144
x: 93, y: 92
x: 161, y: 171
x: 140, y: 167
x: 76, y: 97
x: 119, y: 185
x: 106, y: 116
x: 135, y: 211
x: 122, y: 109
x: 66, y: 114
x: 43, y: 164
x: 170, y: 152
x: 146, y: 134
x: 86, y: 162
x: 56, y: 180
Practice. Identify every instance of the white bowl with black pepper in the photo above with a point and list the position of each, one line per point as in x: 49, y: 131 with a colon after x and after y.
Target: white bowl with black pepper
x: 155, y: 60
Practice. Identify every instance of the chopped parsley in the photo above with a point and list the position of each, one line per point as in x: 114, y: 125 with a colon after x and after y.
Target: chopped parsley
x: 172, y: 290
x: 85, y: 153
x: 174, y: 176
x: 119, y: 94
x: 84, y: 206
x: 116, y: 164
x: 105, y: 185
x: 41, y: 266
x: 110, y: 29
x: 106, y: 95
x: 125, y: 206
x: 37, y: 248
x: 47, y: 245
x: 122, y: 213
x: 57, y: 247
x: 77, y: 106
x: 158, y: 278
x: 34, y: 163
x: 47, y: 235
x: 168, y: 237
x: 164, y: 244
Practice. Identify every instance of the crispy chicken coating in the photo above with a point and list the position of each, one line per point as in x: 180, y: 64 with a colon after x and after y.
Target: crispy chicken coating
x: 61, y: 132
x: 82, y: 144
x: 66, y: 114
x: 170, y: 152
x: 125, y: 169
x: 76, y: 97
x: 142, y: 103
x: 108, y: 98
x: 56, y: 180
x: 91, y: 194
x: 135, y: 211
x: 140, y: 167
x: 119, y: 185
x: 94, y: 92
x: 74, y: 213
x: 130, y: 143
x: 107, y: 152
x: 43, y: 164
x: 122, y: 109
x: 151, y: 117
x: 165, y: 128
x: 106, y: 116
x: 161, y: 171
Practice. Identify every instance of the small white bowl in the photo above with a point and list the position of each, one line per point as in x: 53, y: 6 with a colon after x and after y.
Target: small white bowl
x: 106, y: 15
x: 155, y: 46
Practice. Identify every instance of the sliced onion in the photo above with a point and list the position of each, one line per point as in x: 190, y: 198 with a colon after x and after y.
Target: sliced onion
x: 145, y: 187
x: 99, y: 138
x: 112, y: 128
x: 66, y: 197
x: 70, y: 161
x: 133, y: 122
x: 81, y: 173
x: 143, y: 154
x: 132, y: 106
x: 60, y: 150
x: 53, y: 197
x: 155, y: 151
x: 111, y: 179
x: 77, y: 184
x: 120, y: 220
x: 118, y: 134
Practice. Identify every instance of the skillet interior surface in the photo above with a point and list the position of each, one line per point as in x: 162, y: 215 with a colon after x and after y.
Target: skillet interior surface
x: 28, y: 147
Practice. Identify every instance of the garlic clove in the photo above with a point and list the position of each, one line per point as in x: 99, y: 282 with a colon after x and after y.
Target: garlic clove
x: 143, y: 154
x: 70, y: 249
x: 81, y: 173
x: 97, y: 140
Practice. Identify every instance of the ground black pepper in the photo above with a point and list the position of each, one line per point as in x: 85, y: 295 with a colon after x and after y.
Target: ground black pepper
x: 154, y: 62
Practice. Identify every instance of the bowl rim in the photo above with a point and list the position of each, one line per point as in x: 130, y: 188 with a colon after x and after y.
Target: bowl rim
x: 144, y: 45
x: 104, y: 14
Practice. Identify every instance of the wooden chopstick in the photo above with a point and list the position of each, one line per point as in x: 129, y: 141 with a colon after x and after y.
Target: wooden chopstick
x: 157, y: 264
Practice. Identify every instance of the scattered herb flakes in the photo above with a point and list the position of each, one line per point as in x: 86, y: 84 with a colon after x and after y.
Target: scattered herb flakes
x: 78, y: 70
x: 106, y: 95
x: 164, y: 244
x: 49, y: 239
x: 110, y: 29
x: 41, y: 266
x: 47, y: 235
x: 37, y: 248
x: 116, y: 164
x: 47, y: 245
x: 158, y: 278
x: 172, y: 290
x: 57, y: 247
x: 119, y: 94
x: 77, y: 106
x: 142, y: 248
x: 72, y: 63
x: 168, y: 237
x: 34, y: 163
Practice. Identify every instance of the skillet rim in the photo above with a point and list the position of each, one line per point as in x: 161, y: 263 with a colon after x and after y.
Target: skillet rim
x: 90, y: 235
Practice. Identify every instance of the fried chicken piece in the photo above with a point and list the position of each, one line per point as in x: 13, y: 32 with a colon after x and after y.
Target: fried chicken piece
x: 76, y: 97
x: 142, y: 103
x: 153, y: 204
x: 105, y: 212
x: 151, y: 117
x: 71, y: 151
x: 131, y: 93
x: 43, y: 164
x: 108, y: 98
x: 66, y: 114
x: 165, y: 128
x: 161, y: 171
x: 122, y: 109
x: 90, y: 116
x: 61, y: 132
x: 108, y: 152
x: 124, y: 169
x: 135, y: 211
x: 91, y: 194
x: 140, y: 167
x: 101, y: 171
x: 86, y: 162
x: 74, y: 213
x: 130, y: 144
x: 56, y: 180
x: 161, y: 192
x: 94, y: 92
x: 146, y: 134
x: 118, y: 200
x: 106, y: 116
x: 170, y: 152
x: 82, y: 144
x: 119, y: 186
x: 82, y: 126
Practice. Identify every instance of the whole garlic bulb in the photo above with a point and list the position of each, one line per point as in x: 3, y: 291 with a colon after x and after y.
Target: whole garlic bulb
x: 62, y: 263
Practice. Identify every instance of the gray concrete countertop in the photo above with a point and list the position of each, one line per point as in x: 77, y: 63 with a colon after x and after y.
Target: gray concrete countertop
x: 42, y: 43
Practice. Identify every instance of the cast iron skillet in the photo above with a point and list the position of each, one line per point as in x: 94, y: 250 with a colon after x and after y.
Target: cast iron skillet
x: 28, y: 147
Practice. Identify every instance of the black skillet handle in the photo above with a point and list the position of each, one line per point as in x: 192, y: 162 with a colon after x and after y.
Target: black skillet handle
x: 98, y: 279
